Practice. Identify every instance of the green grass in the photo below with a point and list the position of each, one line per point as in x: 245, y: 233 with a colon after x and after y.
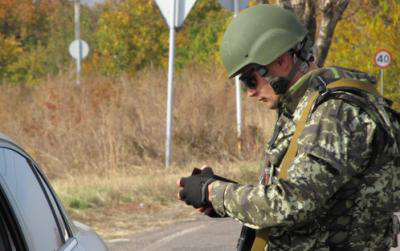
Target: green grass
x: 141, y: 198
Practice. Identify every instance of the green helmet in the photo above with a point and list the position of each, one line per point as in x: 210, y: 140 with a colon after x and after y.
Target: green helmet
x: 259, y: 35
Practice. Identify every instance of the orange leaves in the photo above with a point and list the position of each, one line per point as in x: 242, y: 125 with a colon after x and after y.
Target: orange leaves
x: 22, y: 18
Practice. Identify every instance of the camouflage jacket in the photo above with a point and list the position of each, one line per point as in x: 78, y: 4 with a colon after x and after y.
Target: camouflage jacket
x: 344, y: 184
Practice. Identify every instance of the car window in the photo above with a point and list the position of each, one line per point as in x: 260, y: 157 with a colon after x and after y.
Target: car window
x: 6, y: 241
x: 57, y: 211
x: 11, y: 237
x: 40, y: 226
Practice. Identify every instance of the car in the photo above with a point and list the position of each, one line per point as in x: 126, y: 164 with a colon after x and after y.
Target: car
x: 31, y: 215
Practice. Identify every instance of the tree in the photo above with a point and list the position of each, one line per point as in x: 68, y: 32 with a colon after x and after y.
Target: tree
x: 41, y: 35
x: 361, y: 31
x: 133, y: 35
x: 324, y: 14
x: 10, y: 50
x: 29, y: 27
x: 368, y: 27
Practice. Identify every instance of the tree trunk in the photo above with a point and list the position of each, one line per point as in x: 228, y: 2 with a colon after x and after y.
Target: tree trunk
x: 332, y: 11
x: 306, y: 11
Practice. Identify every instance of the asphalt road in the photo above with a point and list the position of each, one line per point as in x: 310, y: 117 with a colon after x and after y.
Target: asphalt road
x: 201, y: 234
x: 204, y: 233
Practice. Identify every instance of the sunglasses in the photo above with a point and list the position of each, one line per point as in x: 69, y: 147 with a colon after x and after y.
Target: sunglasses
x: 249, y: 79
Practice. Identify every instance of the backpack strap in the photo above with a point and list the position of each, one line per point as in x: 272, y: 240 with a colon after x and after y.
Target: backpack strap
x: 341, y: 84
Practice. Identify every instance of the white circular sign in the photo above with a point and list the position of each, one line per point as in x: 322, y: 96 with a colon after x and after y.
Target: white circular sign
x: 230, y: 4
x: 383, y: 58
x: 74, y: 49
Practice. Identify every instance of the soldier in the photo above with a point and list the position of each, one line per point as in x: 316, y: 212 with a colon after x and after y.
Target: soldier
x: 331, y: 175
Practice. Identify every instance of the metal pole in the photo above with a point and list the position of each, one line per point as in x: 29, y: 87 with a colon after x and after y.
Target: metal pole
x: 238, y: 94
x: 382, y: 82
x: 171, y: 68
x: 236, y: 8
x: 78, y: 37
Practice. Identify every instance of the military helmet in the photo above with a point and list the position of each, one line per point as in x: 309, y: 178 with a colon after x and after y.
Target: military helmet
x: 259, y: 35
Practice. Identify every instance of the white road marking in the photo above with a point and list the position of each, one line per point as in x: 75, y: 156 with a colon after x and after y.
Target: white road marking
x: 166, y: 239
x: 119, y: 240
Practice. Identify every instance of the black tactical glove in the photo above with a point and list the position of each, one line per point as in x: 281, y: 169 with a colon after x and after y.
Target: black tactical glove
x: 195, y: 188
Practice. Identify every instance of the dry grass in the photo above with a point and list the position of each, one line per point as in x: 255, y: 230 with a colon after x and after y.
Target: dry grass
x: 108, y: 124
x: 102, y: 143
x: 140, y: 198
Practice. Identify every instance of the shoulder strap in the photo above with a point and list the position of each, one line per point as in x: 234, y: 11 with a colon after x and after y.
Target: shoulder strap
x: 293, y: 146
x: 261, y: 238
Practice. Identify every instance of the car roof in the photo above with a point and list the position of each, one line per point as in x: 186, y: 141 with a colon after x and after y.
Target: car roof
x: 5, y: 141
x: 5, y: 137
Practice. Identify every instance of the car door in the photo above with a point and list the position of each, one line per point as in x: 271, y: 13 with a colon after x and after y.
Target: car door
x: 76, y: 238
x: 41, y: 222
x: 30, y: 203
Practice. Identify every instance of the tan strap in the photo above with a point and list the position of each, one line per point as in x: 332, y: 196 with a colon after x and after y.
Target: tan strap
x: 293, y: 146
x: 364, y: 86
x: 292, y: 150
x: 261, y: 239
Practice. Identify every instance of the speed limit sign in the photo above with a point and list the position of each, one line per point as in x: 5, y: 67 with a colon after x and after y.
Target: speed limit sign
x: 383, y: 58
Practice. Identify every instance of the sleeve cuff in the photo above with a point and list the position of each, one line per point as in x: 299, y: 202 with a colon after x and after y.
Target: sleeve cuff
x: 217, y: 196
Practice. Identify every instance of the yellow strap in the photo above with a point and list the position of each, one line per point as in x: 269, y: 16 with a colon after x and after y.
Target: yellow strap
x: 364, y: 86
x: 292, y: 150
x: 261, y: 239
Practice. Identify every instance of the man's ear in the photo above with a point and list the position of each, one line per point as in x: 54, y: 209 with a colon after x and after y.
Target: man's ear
x: 285, y: 61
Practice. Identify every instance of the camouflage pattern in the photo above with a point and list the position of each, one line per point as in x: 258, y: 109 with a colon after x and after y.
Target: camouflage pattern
x: 344, y: 183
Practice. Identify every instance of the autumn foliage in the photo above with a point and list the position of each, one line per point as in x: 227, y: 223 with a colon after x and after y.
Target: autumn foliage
x: 368, y: 27
x: 134, y: 35
x: 131, y: 35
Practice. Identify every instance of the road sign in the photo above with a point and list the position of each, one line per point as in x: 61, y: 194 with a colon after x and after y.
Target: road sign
x: 230, y: 4
x: 383, y: 58
x: 174, y: 12
x: 182, y: 9
x: 74, y: 49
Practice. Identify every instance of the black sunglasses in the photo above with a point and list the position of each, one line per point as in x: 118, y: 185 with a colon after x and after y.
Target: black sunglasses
x: 248, y: 78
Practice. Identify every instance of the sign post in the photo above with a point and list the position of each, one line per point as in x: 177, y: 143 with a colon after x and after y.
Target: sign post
x: 383, y: 58
x: 78, y: 49
x: 170, y: 98
x: 238, y: 96
x: 78, y: 38
x: 174, y: 12
x: 236, y: 6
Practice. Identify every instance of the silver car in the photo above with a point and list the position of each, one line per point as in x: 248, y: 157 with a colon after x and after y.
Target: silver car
x: 31, y: 216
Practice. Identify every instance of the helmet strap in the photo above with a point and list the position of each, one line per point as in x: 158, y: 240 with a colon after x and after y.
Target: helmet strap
x: 281, y: 84
x: 302, y: 56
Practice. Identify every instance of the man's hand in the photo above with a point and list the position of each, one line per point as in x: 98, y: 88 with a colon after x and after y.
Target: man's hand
x: 195, y: 188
